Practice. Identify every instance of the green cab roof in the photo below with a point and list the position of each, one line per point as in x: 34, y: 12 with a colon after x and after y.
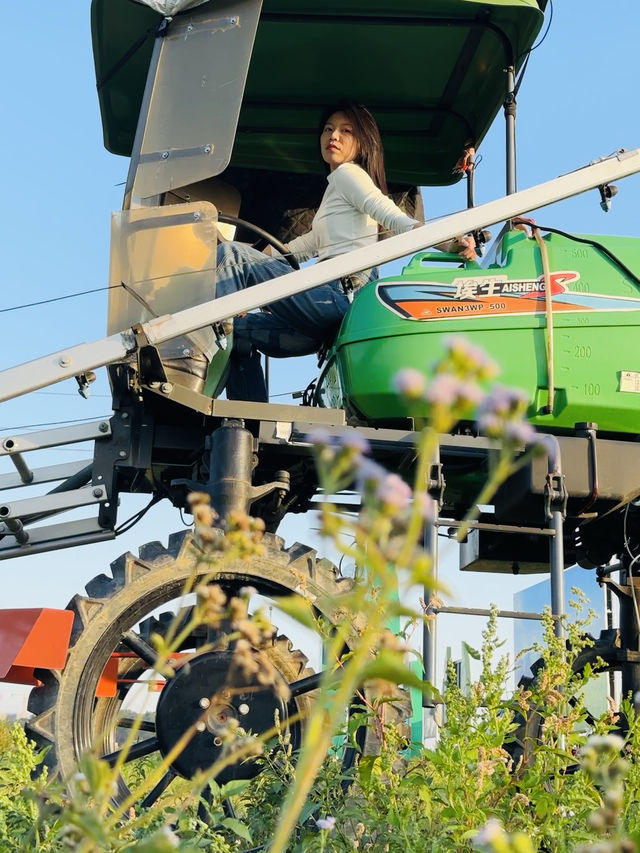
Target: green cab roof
x: 431, y: 71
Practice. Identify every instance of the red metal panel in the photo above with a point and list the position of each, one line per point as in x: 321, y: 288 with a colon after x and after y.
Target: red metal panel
x: 109, y: 680
x: 30, y: 638
x: 108, y: 684
x: 21, y: 675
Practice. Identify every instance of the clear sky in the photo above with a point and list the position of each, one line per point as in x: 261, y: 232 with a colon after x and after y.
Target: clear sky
x: 578, y: 102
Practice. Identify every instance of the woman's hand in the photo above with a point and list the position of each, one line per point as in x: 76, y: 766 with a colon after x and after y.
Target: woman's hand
x: 463, y: 246
x: 468, y: 248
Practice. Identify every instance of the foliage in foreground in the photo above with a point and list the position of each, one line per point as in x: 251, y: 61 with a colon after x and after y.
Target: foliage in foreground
x: 578, y: 791
x: 531, y: 773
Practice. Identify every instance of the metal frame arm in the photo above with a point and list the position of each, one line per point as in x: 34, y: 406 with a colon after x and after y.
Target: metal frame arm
x: 84, y: 357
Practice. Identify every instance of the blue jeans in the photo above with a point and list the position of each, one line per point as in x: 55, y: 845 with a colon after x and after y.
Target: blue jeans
x: 295, y: 325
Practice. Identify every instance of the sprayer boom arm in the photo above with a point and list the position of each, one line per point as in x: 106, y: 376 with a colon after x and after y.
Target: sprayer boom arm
x: 84, y: 357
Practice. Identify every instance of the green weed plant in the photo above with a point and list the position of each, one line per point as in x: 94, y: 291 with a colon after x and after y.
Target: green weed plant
x: 512, y: 774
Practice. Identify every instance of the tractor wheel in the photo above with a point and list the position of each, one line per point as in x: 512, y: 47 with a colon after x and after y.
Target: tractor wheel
x: 117, y: 618
x: 604, y: 656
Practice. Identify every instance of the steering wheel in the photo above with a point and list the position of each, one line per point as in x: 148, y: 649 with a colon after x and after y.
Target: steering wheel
x: 263, y: 235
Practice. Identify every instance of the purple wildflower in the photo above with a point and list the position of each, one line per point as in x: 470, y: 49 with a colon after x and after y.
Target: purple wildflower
x: 456, y: 345
x: 502, y: 415
x: 327, y: 822
x: 351, y: 440
x: 369, y: 475
x: 424, y: 503
x: 519, y: 432
x: 472, y: 358
x: 490, y: 425
x: 320, y: 436
x: 354, y: 441
x: 444, y: 390
x: 451, y: 392
x: 490, y: 832
x: 470, y: 394
x: 409, y: 383
x: 503, y: 402
x: 394, y: 492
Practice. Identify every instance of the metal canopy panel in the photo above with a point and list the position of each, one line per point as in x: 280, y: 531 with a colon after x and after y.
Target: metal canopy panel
x: 432, y: 72
x: 191, y: 110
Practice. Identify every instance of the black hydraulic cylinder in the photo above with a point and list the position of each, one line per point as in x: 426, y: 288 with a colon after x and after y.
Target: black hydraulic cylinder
x: 629, y: 635
x: 231, y: 467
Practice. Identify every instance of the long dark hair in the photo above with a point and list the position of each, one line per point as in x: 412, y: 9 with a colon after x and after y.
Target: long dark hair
x: 370, y: 154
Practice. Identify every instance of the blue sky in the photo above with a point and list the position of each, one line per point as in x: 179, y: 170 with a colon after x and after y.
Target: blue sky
x: 578, y: 102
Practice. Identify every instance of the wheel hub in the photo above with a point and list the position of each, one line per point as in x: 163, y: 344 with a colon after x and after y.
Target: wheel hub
x: 208, y: 693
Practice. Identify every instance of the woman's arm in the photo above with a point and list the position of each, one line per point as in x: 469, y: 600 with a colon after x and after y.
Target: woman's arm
x: 358, y: 189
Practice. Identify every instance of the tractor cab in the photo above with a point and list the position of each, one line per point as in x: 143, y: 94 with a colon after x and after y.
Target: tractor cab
x: 217, y: 107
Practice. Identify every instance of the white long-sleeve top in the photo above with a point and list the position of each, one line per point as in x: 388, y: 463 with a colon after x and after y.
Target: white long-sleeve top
x: 348, y: 217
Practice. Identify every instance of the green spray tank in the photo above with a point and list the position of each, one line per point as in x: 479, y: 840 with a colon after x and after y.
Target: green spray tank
x: 576, y: 358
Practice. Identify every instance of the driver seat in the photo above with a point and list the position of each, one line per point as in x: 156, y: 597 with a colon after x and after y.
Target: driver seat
x: 191, y: 371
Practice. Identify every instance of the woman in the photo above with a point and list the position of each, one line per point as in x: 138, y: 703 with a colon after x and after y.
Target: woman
x: 353, y: 209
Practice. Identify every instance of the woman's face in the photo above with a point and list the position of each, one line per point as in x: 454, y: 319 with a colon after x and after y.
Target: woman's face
x: 338, y: 143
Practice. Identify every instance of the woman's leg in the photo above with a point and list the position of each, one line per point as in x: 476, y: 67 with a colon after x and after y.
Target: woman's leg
x: 318, y: 313
x: 294, y: 326
x: 297, y: 325
x: 261, y: 333
x: 240, y: 265
x: 314, y: 313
